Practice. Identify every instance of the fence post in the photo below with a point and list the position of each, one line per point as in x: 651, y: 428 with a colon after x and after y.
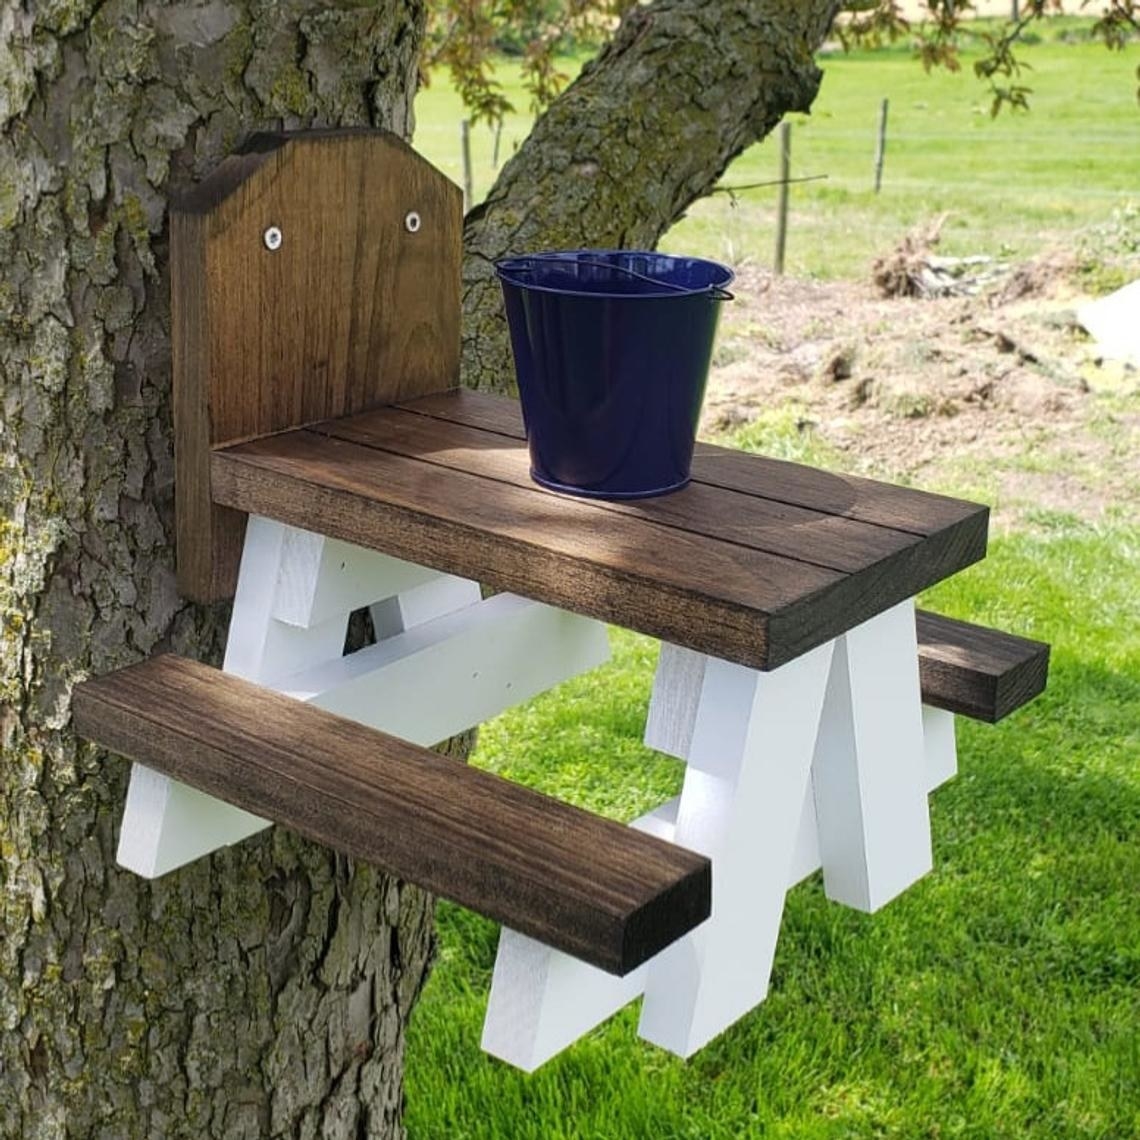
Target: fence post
x: 468, y: 182
x: 881, y: 145
x: 782, y: 204
x: 498, y: 139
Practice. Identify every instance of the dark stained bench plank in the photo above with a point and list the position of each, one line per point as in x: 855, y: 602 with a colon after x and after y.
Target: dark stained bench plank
x: 883, y: 504
x: 605, y: 893
x: 975, y: 671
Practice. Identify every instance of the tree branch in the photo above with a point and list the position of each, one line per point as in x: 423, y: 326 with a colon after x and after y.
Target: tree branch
x: 648, y: 127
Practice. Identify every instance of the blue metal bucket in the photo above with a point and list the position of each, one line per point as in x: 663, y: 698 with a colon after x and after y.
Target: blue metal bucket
x: 612, y: 351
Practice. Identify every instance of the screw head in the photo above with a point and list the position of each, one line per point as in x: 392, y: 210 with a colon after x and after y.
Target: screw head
x: 412, y: 222
x: 272, y: 238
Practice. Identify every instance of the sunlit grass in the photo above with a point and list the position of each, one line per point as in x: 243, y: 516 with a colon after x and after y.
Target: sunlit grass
x: 1000, y: 996
x: 1006, y: 185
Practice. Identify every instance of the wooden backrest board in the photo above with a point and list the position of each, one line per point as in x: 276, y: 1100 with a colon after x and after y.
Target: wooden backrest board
x: 355, y: 306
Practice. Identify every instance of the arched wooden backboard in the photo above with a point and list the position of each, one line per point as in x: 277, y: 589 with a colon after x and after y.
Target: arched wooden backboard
x: 314, y: 275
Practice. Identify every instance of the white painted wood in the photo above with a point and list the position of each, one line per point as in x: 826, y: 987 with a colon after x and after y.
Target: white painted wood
x: 441, y: 594
x: 259, y: 647
x: 543, y: 1000
x: 940, y: 746
x: 750, y: 742
x: 322, y: 578
x: 446, y: 675
x: 869, y: 775
x: 457, y: 662
x: 661, y: 822
x: 167, y: 824
x: 669, y: 729
x: 673, y: 702
x: 741, y: 805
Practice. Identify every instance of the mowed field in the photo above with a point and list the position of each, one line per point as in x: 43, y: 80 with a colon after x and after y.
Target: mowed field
x: 1007, y: 185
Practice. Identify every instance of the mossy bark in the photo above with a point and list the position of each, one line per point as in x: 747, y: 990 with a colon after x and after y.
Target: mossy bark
x: 263, y: 992
x: 647, y: 128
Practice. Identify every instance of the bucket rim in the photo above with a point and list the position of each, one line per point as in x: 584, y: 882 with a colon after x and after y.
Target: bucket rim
x: 716, y: 290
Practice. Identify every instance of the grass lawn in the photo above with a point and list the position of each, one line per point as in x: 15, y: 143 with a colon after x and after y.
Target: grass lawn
x: 1000, y: 996
x: 1007, y: 184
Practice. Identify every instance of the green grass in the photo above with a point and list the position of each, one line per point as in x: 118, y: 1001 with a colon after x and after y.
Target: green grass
x: 999, y: 997
x: 1008, y: 185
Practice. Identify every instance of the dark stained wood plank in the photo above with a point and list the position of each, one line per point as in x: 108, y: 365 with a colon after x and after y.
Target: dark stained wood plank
x: 351, y: 312
x: 602, y: 892
x: 883, y: 504
x: 487, y: 410
x: 717, y: 597
x: 975, y: 671
x: 821, y: 539
x: 209, y: 537
x: 709, y: 595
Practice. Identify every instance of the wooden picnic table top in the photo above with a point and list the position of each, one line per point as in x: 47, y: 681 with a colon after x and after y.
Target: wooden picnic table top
x: 757, y: 561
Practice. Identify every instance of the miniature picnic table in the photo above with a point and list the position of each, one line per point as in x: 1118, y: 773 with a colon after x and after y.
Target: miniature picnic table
x: 812, y: 707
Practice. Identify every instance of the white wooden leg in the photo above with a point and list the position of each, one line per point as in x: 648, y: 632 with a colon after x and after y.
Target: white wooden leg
x: 450, y: 662
x: 543, y: 1000
x: 166, y: 823
x: 749, y: 761
x: 749, y: 738
x: 750, y: 748
x: 672, y: 715
x: 674, y: 701
x: 259, y: 646
x: 940, y: 745
x: 869, y: 776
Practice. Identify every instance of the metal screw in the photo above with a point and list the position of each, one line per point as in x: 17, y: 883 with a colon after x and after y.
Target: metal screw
x: 412, y: 222
x: 272, y: 238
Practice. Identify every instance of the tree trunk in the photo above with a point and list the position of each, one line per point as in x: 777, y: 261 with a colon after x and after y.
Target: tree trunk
x: 646, y: 129
x: 264, y: 992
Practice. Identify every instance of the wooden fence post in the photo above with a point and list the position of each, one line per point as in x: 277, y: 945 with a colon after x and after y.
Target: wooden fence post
x: 782, y: 205
x: 468, y: 181
x: 881, y: 145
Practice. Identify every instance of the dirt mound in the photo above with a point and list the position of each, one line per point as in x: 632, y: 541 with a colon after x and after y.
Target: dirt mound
x: 998, y: 393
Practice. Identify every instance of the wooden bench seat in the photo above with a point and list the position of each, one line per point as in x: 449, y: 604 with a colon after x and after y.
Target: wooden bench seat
x: 605, y: 893
x: 977, y: 672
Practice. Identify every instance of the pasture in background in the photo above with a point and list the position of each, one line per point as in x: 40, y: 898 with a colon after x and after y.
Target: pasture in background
x: 1009, y: 185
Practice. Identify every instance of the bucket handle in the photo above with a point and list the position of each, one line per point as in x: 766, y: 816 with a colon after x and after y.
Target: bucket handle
x: 715, y: 292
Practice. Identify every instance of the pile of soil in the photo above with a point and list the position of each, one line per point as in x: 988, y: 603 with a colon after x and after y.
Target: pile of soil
x: 999, y: 393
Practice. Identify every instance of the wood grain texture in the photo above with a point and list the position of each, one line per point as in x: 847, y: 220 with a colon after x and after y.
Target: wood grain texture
x: 608, y: 894
x: 751, y: 577
x: 810, y: 536
x: 351, y: 312
x: 975, y: 671
x: 883, y: 504
x: 565, y: 552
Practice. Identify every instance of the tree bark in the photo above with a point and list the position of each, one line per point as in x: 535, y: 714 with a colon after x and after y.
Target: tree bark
x: 646, y: 129
x: 264, y: 992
